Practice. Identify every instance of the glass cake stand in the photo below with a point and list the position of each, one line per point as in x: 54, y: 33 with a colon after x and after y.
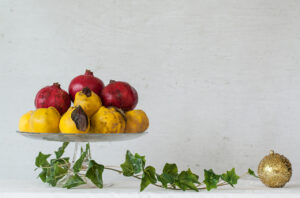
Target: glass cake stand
x: 80, y: 140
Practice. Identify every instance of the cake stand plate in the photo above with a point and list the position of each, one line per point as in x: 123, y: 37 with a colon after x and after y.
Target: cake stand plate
x: 84, y: 137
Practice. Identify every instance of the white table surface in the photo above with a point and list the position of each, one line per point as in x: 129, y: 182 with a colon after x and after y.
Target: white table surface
x: 129, y: 188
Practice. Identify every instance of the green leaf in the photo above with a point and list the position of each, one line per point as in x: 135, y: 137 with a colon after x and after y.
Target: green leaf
x: 62, y: 161
x: 43, y: 175
x: 94, y: 173
x: 169, y: 175
x: 149, y: 177
x: 55, y: 173
x: 170, y: 169
x: 211, y: 179
x: 41, y: 160
x: 133, y: 164
x: 78, y: 164
x: 251, y: 172
x: 230, y: 177
x: 187, y: 180
x: 74, y: 181
x: 61, y: 150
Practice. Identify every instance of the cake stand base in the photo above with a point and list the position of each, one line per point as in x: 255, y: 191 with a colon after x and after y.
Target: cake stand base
x: 79, y: 147
x: 80, y: 141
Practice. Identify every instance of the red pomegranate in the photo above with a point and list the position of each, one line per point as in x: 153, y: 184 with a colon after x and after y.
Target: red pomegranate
x: 86, y: 80
x: 119, y: 94
x: 53, y: 96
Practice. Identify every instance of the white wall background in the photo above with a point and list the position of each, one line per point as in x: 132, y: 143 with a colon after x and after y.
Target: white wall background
x: 220, y: 80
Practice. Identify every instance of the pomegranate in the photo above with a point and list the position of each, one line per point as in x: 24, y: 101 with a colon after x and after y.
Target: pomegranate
x: 53, y: 96
x: 119, y: 94
x: 86, y: 80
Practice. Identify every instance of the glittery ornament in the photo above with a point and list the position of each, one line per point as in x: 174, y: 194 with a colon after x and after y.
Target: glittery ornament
x: 274, y: 170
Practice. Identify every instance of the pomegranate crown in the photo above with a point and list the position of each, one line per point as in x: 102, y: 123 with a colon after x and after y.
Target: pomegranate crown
x: 56, y: 84
x: 88, y: 72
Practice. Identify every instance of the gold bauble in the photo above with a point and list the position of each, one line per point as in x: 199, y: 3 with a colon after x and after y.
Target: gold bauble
x: 274, y: 170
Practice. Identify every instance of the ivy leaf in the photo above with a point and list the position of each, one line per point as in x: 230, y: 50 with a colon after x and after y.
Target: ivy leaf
x: 55, y: 173
x: 78, y: 164
x: 211, y: 179
x: 61, y: 150
x: 41, y: 160
x: 149, y: 177
x: 62, y: 161
x: 87, y: 147
x: 251, y: 172
x: 230, y: 177
x: 133, y: 164
x: 169, y: 175
x: 187, y: 180
x: 74, y: 181
x: 43, y: 175
x: 94, y: 173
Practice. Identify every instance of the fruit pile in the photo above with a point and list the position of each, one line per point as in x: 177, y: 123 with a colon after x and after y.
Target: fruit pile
x: 97, y: 108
